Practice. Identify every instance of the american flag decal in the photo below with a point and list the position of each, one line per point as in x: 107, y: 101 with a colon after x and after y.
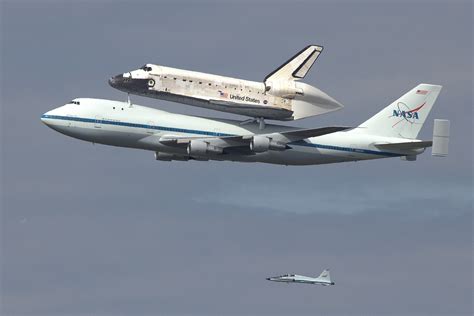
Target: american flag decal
x: 223, y: 94
x: 422, y: 92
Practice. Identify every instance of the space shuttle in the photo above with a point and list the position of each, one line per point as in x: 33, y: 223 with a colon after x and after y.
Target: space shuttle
x: 281, y: 95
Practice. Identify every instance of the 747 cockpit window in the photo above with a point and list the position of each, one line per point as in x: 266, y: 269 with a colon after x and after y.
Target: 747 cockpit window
x: 146, y: 68
x: 74, y: 102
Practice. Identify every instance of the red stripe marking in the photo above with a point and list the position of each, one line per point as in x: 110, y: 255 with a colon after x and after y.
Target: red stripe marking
x: 416, y: 109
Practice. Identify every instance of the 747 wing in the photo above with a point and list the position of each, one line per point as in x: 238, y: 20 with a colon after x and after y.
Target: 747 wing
x: 245, y: 144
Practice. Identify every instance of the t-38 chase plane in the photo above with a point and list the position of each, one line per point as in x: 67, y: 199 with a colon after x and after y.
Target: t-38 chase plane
x: 390, y: 133
x: 323, y: 279
x: 281, y: 96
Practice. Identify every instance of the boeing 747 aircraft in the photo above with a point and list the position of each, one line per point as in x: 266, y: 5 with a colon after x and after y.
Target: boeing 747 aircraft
x: 390, y: 133
x: 281, y: 96
x: 323, y: 279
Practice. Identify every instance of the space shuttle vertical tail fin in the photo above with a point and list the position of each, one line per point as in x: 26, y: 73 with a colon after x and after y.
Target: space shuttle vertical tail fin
x: 297, y: 66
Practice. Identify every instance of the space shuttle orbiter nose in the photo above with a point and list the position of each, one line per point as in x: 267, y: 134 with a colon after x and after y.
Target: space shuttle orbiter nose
x: 114, y: 81
x: 125, y: 82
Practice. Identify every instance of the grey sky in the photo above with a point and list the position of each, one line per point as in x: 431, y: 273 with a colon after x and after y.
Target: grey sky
x: 102, y: 230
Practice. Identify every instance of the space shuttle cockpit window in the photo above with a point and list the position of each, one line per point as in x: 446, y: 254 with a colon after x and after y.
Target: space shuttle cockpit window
x: 146, y: 68
x: 73, y: 102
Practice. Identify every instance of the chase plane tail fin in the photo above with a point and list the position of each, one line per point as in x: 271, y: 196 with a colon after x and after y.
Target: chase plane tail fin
x: 325, y: 275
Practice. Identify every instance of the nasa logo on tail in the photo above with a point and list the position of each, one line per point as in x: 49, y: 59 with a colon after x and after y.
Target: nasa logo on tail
x: 404, y: 112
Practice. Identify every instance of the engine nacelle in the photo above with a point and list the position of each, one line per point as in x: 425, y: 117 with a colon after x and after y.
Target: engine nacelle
x: 285, y: 89
x: 201, y: 148
x: 260, y: 144
x: 169, y: 157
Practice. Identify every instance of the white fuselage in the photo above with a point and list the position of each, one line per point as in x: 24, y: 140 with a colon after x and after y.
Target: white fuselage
x: 120, y: 124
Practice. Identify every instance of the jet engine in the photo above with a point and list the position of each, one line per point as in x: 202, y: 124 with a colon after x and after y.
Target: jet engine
x: 201, y: 148
x: 285, y: 89
x: 260, y: 144
x: 169, y: 157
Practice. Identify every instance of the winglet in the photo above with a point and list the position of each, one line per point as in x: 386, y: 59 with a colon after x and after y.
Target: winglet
x: 297, y: 66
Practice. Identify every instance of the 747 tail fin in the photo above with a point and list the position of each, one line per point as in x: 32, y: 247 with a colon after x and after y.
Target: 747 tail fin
x: 404, y: 117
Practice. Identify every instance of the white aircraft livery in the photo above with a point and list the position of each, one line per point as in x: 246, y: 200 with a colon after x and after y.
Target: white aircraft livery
x: 323, y: 279
x: 390, y: 133
x: 281, y: 96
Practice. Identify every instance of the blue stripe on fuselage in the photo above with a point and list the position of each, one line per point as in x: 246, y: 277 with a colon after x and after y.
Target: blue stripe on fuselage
x: 159, y: 128
x: 199, y: 132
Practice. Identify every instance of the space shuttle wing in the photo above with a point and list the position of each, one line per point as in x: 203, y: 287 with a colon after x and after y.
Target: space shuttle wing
x: 236, y: 104
x: 232, y: 103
